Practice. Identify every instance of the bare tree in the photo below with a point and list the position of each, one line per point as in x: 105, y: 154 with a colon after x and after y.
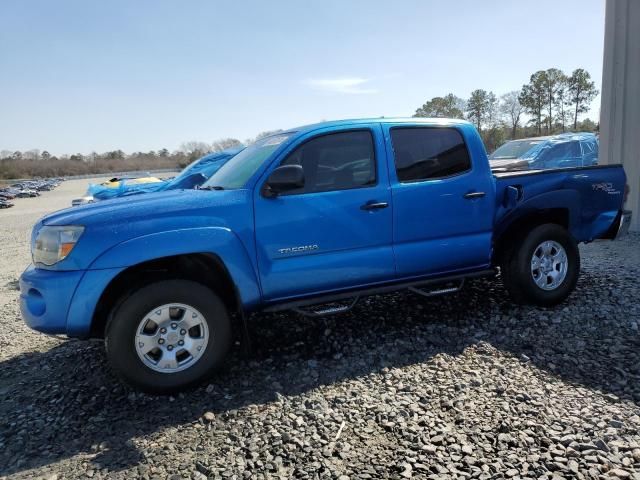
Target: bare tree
x: 33, y: 154
x: 194, y: 147
x: 224, y: 144
x: 512, y: 109
x: 493, y: 112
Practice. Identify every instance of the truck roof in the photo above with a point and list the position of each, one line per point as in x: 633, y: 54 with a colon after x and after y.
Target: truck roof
x: 356, y: 121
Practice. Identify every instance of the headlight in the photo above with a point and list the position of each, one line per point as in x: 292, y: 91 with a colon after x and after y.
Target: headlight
x: 53, y: 244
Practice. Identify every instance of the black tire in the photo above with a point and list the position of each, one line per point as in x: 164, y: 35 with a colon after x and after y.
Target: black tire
x: 120, y: 335
x: 517, y: 271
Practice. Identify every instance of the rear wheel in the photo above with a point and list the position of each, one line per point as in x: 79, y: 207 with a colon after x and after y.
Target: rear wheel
x: 542, y: 267
x: 168, y: 336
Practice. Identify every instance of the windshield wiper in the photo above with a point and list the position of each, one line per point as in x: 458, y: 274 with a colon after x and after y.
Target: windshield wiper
x: 212, y: 187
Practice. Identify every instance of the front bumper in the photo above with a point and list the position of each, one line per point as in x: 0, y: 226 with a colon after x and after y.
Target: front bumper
x: 62, y: 302
x: 45, y: 297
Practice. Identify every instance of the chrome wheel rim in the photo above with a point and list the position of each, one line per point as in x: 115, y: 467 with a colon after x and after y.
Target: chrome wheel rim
x: 171, y: 338
x: 549, y: 265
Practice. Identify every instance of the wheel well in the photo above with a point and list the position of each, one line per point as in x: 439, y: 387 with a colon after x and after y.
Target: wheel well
x: 525, y: 224
x: 204, y: 268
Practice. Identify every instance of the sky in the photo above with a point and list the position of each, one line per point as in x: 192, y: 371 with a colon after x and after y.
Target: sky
x: 78, y: 76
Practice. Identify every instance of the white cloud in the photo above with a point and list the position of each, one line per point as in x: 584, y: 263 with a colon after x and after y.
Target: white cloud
x: 348, y: 85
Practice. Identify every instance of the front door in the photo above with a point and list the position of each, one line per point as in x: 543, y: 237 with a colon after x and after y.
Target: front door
x: 326, y: 236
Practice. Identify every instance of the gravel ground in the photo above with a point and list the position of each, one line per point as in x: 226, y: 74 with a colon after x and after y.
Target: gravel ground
x: 464, y: 386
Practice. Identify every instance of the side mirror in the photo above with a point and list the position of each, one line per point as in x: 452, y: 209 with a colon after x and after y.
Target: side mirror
x: 284, y: 178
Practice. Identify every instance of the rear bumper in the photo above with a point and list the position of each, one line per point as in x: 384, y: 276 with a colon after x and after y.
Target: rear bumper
x: 620, y: 226
x: 625, y: 223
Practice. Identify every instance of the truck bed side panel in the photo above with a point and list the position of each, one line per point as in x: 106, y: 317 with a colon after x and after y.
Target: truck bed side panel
x: 592, y: 197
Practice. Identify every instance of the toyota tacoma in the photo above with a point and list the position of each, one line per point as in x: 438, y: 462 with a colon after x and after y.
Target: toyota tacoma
x: 309, y: 219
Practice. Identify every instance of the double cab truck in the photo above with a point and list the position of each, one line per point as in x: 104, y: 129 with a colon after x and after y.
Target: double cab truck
x: 309, y: 219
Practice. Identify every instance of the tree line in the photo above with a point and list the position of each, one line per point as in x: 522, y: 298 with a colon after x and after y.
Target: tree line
x: 36, y: 163
x: 552, y: 102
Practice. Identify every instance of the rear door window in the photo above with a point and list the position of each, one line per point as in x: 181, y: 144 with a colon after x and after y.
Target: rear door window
x: 428, y: 153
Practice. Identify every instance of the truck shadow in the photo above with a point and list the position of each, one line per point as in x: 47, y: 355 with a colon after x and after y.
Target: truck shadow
x: 64, y: 402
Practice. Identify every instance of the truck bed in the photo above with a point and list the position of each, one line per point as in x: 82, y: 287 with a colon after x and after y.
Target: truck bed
x: 590, y: 197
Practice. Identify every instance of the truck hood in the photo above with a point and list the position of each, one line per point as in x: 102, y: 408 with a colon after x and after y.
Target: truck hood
x: 112, y: 222
x: 147, y: 207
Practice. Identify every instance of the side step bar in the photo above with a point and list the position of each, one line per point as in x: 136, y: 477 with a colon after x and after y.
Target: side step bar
x: 437, y: 291
x: 325, y: 312
x: 439, y: 286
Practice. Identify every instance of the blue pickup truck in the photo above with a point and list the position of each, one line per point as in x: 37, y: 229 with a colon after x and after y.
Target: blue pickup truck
x: 310, y: 220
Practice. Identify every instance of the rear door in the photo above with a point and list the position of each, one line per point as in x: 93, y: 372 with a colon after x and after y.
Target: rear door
x: 443, y: 203
x: 326, y: 235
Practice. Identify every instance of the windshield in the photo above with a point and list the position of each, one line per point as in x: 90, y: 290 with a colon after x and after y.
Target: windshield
x: 515, y: 149
x: 237, y: 171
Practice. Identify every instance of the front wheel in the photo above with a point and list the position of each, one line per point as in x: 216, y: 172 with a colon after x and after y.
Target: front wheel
x: 168, y: 336
x: 542, y: 269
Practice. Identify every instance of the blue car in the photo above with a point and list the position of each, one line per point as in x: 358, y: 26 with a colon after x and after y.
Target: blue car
x: 194, y: 175
x: 566, y: 150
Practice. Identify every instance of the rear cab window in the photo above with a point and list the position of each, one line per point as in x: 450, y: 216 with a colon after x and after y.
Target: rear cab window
x: 429, y: 153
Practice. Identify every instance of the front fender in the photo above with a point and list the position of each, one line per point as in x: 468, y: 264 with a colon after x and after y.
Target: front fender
x: 220, y: 241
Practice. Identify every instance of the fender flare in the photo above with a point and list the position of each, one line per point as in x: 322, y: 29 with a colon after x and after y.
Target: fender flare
x: 219, y: 241
x: 567, y: 200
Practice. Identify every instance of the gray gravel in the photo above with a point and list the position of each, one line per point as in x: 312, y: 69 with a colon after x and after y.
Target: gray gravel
x: 465, y: 386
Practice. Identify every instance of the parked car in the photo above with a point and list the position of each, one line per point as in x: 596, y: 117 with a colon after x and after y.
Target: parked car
x: 192, y: 176
x: 566, y: 150
x: 38, y: 185
x: 301, y: 220
x: 23, y: 192
x: 5, y: 203
x: 28, y: 188
x: 6, y: 195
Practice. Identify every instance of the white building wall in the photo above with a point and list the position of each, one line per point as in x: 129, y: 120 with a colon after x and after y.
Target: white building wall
x: 620, y: 110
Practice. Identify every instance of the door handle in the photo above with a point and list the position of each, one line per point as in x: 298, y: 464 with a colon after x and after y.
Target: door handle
x: 472, y: 195
x: 374, y: 205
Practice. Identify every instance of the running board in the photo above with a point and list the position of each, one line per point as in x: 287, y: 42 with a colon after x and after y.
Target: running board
x: 421, y: 284
x: 437, y: 291
x: 325, y: 312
